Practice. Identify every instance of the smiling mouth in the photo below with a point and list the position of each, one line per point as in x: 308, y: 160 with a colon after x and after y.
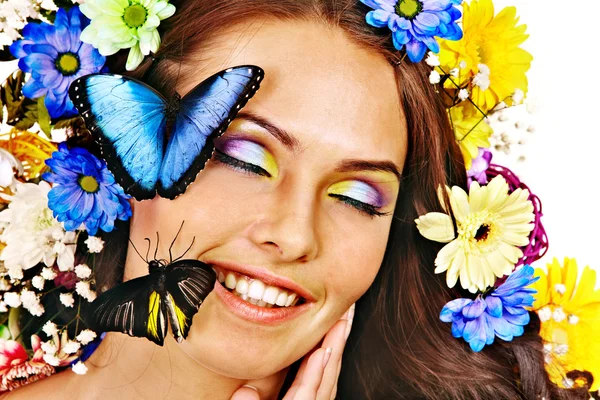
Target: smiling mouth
x: 255, y: 291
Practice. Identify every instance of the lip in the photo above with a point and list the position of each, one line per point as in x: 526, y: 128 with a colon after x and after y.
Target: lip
x: 256, y: 314
x: 265, y: 276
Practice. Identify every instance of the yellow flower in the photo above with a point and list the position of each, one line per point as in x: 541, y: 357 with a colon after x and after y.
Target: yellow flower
x: 491, y: 226
x: 470, y: 131
x: 493, y: 41
x: 570, y: 320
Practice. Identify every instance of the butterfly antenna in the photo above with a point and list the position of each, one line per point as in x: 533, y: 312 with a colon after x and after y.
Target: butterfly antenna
x: 157, y: 242
x: 136, y: 250
x: 174, y: 239
x: 148, y: 249
x: 185, y: 252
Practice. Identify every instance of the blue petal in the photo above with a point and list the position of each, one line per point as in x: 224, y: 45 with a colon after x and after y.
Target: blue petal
x: 432, y: 44
x: 387, y: 5
x: 378, y: 18
x: 475, y: 333
x: 494, y: 306
x: 475, y: 309
x: 39, y: 61
x: 34, y: 89
x: 501, y: 328
x: 36, y: 32
x: 17, y: 48
x: 520, y: 319
x: 400, y: 38
x: 44, y: 49
x: 415, y: 50
x: 458, y: 328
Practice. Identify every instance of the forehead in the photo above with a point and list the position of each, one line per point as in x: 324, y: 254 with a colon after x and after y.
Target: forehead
x: 319, y: 85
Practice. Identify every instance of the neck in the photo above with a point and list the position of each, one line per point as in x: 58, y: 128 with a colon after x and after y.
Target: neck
x: 131, y: 368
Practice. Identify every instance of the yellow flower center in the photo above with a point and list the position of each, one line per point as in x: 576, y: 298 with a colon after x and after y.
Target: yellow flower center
x: 88, y: 183
x: 135, y: 16
x: 67, y: 63
x: 409, y: 9
x: 477, y: 230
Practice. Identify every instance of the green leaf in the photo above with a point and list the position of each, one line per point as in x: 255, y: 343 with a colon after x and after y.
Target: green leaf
x: 5, y: 332
x: 13, y: 322
x: 43, y: 117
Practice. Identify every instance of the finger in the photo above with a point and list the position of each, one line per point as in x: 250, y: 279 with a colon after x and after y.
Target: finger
x: 336, y: 340
x: 308, y: 386
x: 328, y: 390
x: 246, y: 393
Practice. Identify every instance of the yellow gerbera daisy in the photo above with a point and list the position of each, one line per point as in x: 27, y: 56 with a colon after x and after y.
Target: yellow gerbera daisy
x: 491, y: 226
x: 570, y: 319
x: 470, y: 131
x: 493, y: 41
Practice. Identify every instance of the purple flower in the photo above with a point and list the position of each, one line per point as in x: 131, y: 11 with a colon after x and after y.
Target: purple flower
x: 479, y: 167
x: 416, y: 23
x: 55, y: 57
x: 501, y: 314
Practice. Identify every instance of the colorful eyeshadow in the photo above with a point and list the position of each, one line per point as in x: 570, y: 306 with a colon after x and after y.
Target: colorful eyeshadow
x: 251, y: 153
x: 358, y: 190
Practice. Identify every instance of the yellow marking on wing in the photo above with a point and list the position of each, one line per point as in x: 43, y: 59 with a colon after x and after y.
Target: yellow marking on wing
x: 181, y: 318
x: 154, y: 308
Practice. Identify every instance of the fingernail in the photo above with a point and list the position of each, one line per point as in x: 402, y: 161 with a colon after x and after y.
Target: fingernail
x: 350, y: 319
x: 251, y: 387
x: 327, y: 356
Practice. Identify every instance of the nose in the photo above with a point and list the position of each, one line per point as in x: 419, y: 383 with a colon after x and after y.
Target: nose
x: 286, y: 229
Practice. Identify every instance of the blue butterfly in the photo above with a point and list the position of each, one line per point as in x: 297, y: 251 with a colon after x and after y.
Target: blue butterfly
x: 152, y: 145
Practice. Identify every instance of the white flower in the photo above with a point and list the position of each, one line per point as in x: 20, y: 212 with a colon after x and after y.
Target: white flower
x: 518, y: 96
x: 52, y: 359
x: 50, y: 328
x: 12, y: 299
x: 79, y: 368
x: 4, y: 285
x: 29, y: 225
x: 48, y: 274
x: 434, y: 77
x: 94, y: 244
x: 31, y: 302
x: 484, y: 69
x: 71, y: 347
x: 463, y: 94
x: 49, y: 347
x: 65, y: 250
x: 3, y: 307
x: 462, y: 64
x: 14, y: 17
x: 482, y: 79
x: 86, y: 336
x: 83, y: 289
x: 125, y: 24
x: 454, y: 72
x: 8, y: 165
x: 67, y: 299
x: 432, y: 60
x: 38, y: 282
x: 15, y: 272
x: 83, y: 271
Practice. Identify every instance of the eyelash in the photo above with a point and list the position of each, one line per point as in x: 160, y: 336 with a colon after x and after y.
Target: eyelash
x: 251, y: 169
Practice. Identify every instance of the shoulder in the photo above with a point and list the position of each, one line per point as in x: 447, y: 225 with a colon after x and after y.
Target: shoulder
x: 59, y: 386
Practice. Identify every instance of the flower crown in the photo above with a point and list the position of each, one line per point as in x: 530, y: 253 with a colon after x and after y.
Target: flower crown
x: 59, y: 199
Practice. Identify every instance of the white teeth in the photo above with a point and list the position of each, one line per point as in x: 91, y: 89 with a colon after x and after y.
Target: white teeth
x: 281, y: 299
x: 270, y: 295
x: 290, y: 299
x: 256, y: 290
x: 230, y: 280
x: 242, y: 286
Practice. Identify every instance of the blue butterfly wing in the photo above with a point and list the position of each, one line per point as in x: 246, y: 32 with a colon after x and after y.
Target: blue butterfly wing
x: 127, y: 118
x: 204, y: 114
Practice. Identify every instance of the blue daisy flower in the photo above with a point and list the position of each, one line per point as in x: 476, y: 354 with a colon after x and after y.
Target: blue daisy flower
x: 416, y: 23
x: 55, y: 56
x: 84, y: 191
x: 501, y: 314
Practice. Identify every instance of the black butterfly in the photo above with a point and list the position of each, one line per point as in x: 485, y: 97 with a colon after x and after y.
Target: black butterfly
x: 140, y: 307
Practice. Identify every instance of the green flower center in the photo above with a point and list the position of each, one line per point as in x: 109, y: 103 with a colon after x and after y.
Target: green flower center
x: 67, y: 63
x: 135, y: 16
x: 482, y: 233
x: 409, y: 9
x: 88, y: 183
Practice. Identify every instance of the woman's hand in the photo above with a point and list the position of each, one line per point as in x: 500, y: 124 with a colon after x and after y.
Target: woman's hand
x: 318, y: 374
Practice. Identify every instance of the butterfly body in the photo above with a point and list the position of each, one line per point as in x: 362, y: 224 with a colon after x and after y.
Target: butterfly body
x: 171, y: 294
x: 152, y: 145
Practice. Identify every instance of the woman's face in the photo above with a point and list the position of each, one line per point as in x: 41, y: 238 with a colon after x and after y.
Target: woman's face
x: 312, y: 155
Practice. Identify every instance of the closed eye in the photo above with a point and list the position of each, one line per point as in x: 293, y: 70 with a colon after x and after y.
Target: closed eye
x: 240, y: 165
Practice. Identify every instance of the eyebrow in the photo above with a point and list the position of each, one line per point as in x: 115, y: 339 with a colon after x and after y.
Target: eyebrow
x: 292, y: 144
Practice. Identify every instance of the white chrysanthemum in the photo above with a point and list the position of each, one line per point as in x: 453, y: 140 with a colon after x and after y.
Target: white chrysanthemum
x: 71, y: 347
x: 50, y: 328
x: 86, y: 336
x: 492, y: 225
x: 125, y: 24
x: 48, y: 274
x: 79, y: 368
x: 434, y: 77
x: 83, y: 271
x: 83, y: 289
x: 67, y: 299
x: 432, y: 60
x: 94, y: 244
x: 29, y: 228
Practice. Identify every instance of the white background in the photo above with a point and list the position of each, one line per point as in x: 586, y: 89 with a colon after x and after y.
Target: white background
x: 561, y: 156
